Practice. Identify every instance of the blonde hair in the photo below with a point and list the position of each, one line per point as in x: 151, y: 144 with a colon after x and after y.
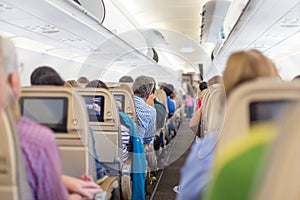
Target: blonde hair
x: 244, y: 66
x: 71, y: 83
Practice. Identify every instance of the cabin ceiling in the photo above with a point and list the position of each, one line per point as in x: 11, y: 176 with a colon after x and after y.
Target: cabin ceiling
x: 180, y: 16
x: 271, y: 26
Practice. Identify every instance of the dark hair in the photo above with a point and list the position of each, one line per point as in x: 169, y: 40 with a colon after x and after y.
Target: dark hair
x: 45, y: 75
x: 297, y: 77
x: 126, y: 79
x: 168, y: 88
x: 203, y: 86
x: 96, y: 84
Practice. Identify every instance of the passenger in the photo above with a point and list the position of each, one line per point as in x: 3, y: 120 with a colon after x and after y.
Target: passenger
x: 202, y: 87
x: 45, y: 75
x: 82, y: 81
x: 3, y: 56
x: 168, y: 88
x: 171, y: 105
x: 161, y: 97
x: 146, y: 115
x: 124, y: 128
x: 196, y: 119
x: 71, y: 84
x: 96, y: 84
x: 138, y: 157
x: 126, y: 79
x: 241, y: 67
x: 130, y: 138
x: 189, y: 102
x: 39, y: 149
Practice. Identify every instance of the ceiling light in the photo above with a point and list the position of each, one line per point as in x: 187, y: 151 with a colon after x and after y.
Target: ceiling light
x: 26, y: 43
x: 6, y: 34
x: 187, y: 50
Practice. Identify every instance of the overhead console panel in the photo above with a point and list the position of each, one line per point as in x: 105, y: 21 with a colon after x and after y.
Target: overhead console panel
x: 63, y: 24
x: 213, y: 15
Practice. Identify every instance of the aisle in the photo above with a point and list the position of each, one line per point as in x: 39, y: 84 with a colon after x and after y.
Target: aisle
x: 178, y: 151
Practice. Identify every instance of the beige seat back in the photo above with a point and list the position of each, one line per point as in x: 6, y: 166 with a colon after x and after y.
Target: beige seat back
x: 107, y: 131
x: 254, y: 101
x: 64, y: 111
x: 211, y: 110
x: 280, y: 177
x: 124, y: 98
x: 13, y: 180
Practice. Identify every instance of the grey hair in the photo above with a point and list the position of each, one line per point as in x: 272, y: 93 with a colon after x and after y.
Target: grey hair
x: 8, y: 56
x: 143, y: 85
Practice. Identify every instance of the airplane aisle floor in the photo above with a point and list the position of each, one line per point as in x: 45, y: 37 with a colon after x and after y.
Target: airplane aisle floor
x: 168, y: 177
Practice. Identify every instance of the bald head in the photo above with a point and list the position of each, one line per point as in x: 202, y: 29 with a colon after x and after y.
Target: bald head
x: 10, y: 66
x: 8, y: 56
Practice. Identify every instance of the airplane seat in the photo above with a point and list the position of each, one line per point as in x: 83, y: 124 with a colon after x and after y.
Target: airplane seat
x: 255, y: 102
x: 13, y: 180
x: 210, y: 111
x: 107, y: 131
x: 280, y: 173
x: 238, y: 166
x: 63, y: 111
x: 124, y: 97
x: 250, y: 143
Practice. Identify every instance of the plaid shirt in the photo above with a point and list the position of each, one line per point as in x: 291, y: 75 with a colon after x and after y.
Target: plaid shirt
x: 42, y: 161
x: 146, y: 117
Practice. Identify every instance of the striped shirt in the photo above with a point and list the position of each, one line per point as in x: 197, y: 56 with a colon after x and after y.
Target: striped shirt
x: 42, y: 161
x: 125, y: 141
x: 146, y: 116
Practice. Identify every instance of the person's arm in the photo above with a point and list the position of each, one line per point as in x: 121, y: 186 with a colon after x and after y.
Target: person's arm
x: 48, y: 182
x: 195, y: 120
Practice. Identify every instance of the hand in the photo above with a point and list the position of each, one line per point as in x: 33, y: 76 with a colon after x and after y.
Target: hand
x: 86, y: 177
x: 75, y: 197
x: 97, y: 108
x: 85, y: 188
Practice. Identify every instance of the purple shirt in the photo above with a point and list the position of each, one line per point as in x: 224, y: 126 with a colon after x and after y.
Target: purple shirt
x: 42, y: 161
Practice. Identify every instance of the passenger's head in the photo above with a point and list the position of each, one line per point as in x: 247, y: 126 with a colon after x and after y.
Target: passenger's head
x: 9, y: 69
x: 3, y: 96
x: 167, y: 88
x: 45, y: 75
x: 96, y: 84
x: 143, y: 86
x: 203, y: 86
x: 82, y: 81
x: 71, y: 83
x: 245, y: 66
x: 126, y: 79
